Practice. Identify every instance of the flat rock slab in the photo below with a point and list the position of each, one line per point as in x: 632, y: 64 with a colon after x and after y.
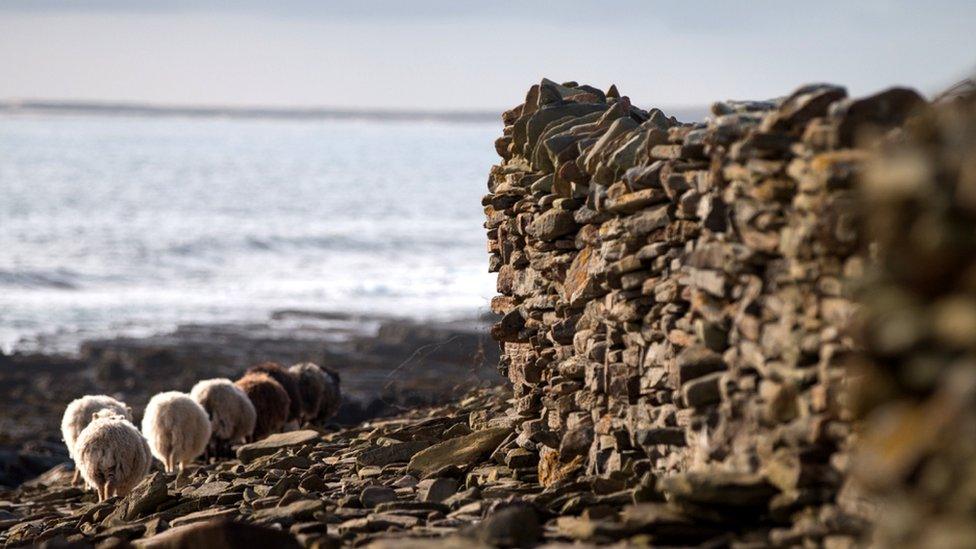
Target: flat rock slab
x: 303, y: 509
x: 458, y: 452
x: 273, y: 443
x: 385, y: 455
x: 203, y: 516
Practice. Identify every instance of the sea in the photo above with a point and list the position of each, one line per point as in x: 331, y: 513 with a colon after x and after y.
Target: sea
x: 133, y: 225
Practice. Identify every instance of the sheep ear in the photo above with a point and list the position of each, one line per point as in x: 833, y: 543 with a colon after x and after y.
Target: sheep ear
x: 94, y: 416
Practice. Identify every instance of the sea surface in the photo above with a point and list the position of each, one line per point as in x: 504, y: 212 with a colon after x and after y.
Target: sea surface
x: 126, y: 225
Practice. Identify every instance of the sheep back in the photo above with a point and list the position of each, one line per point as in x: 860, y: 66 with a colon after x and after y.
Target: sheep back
x: 311, y: 387
x: 270, y: 400
x: 176, y: 427
x: 232, y: 415
x: 287, y: 381
x: 78, y: 415
x: 110, y: 452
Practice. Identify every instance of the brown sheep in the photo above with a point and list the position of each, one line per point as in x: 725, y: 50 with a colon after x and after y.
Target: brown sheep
x: 289, y: 383
x: 270, y: 400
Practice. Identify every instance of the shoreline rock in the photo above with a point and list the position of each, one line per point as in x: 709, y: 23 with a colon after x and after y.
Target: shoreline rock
x: 387, y: 365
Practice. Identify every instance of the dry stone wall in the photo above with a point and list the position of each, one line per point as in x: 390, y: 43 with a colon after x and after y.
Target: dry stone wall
x: 915, y: 386
x: 674, y: 295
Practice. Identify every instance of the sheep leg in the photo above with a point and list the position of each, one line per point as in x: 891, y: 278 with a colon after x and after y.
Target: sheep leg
x: 75, y: 477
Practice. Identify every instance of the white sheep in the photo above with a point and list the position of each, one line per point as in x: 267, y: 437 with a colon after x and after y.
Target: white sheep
x: 78, y: 415
x: 111, y: 454
x: 232, y: 416
x: 176, y: 427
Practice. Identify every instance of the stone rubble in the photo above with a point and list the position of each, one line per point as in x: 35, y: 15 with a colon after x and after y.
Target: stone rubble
x: 676, y: 303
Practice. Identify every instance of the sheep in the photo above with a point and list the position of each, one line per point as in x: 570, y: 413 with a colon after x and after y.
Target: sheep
x: 332, y: 397
x: 312, y: 382
x: 78, y: 414
x: 288, y: 382
x: 111, y: 454
x: 232, y: 416
x: 177, y: 428
x: 270, y: 400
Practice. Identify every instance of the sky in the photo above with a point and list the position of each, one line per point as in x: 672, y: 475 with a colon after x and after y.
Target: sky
x: 464, y: 55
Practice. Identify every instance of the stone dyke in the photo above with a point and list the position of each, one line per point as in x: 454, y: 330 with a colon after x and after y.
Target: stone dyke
x: 915, y: 387
x: 677, y: 297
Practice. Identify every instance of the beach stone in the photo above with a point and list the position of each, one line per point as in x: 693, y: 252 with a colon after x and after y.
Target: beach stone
x: 516, y: 525
x: 203, y: 516
x: 273, y: 443
x: 209, y: 489
x: 372, y: 496
x: 436, y: 489
x: 142, y: 500
x: 219, y: 534
x: 459, y: 452
x: 394, y: 453
x: 293, y: 512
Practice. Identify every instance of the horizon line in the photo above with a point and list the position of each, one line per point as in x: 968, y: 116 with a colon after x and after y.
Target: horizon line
x: 109, y: 107
x: 139, y: 108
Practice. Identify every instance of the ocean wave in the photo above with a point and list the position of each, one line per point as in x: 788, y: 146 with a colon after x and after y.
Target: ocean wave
x: 60, y: 279
x: 343, y: 243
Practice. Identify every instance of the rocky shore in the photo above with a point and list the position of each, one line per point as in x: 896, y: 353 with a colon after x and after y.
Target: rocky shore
x: 433, y: 477
x: 387, y: 365
x: 753, y: 331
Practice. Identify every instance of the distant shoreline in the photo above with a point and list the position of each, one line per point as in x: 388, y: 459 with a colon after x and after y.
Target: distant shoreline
x: 202, y: 111
x: 108, y: 108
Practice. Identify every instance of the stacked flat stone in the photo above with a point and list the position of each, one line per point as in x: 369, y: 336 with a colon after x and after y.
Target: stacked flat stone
x: 674, y: 299
x: 916, y: 388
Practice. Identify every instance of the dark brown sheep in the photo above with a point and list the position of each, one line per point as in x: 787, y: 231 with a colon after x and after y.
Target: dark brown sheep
x: 332, y: 396
x: 288, y: 381
x: 270, y: 400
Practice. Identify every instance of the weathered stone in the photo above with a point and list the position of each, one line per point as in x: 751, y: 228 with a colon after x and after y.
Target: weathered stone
x: 295, y: 511
x: 436, y: 489
x: 695, y: 362
x: 512, y: 526
x: 459, y: 452
x: 552, y: 225
x: 276, y: 442
x: 219, y: 535
x: 371, y: 496
x: 394, y: 453
x: 141, y: 501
